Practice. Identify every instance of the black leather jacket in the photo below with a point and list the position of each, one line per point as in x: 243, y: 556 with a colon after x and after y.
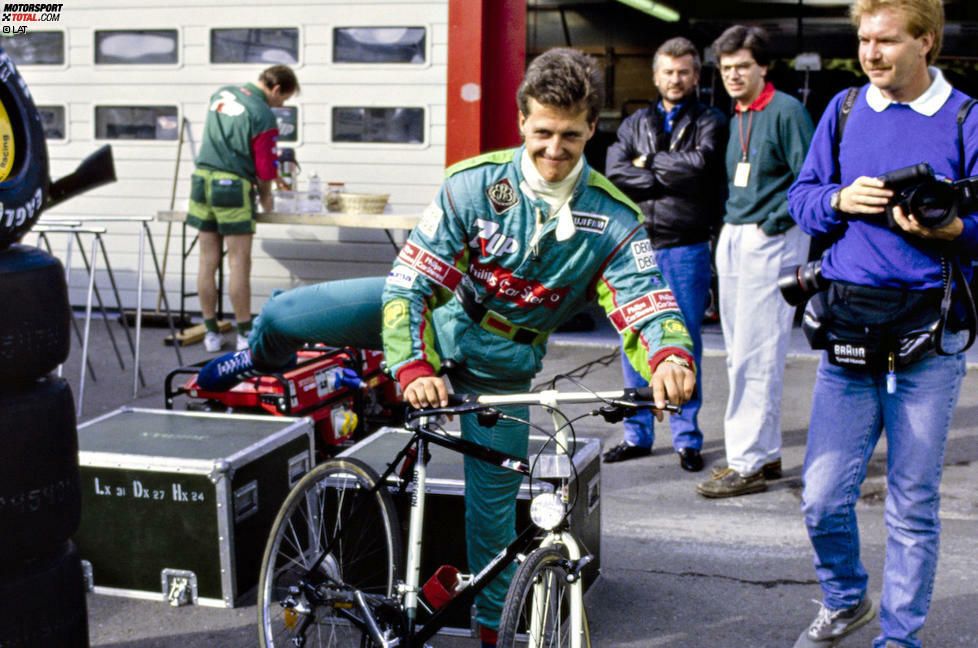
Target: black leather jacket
x: 683, y: 185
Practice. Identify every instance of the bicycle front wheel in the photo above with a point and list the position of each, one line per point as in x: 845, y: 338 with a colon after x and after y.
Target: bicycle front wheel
x: 332, y: 537
x: 538, y: 604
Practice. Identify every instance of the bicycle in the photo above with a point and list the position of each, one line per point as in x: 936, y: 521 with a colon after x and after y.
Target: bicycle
x: 331, y: 571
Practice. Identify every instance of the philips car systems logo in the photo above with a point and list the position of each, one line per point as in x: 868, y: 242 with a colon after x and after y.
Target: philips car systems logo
x: 22, y: 13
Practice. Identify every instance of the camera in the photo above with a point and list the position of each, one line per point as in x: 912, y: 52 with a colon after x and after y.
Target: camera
x: 934, y: 202
x: 801, y: 282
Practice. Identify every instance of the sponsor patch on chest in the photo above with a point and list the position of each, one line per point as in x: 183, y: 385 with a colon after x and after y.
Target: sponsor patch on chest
x: 590, y: 222
x: 644, y: 256
x: 502, y: 196
x: 499, y: 282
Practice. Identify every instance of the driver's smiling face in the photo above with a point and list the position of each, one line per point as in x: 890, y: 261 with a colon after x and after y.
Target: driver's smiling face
x: 555, y: 138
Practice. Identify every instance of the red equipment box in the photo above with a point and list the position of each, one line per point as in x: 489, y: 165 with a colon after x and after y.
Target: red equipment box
x: 312, y: 388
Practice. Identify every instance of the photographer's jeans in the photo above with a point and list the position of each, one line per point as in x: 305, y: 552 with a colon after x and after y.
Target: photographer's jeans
x: 686, y: 269
x: 850, y: 410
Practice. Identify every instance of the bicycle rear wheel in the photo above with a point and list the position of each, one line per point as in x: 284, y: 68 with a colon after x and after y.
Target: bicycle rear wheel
x: 330, y: 510
x: 538, y: 604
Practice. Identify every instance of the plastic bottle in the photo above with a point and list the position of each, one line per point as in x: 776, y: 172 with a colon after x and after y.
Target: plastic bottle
x: 314, y: 202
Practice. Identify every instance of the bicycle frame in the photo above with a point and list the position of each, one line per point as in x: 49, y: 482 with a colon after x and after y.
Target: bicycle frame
x: 550, y: 400
x: 415, y: 457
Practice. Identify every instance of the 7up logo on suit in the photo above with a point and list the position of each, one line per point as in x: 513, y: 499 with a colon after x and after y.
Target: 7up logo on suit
x: 492, y: 242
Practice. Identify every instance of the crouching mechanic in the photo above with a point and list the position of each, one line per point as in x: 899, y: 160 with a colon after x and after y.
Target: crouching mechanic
x: 515, y: 243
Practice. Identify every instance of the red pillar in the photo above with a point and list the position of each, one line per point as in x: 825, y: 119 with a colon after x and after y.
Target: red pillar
x: 486, y: 58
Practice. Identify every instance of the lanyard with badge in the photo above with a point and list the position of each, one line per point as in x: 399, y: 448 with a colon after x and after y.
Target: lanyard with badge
x: 742, y: 174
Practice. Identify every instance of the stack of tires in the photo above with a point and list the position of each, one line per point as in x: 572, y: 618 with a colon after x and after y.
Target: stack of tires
x: 42, y: 591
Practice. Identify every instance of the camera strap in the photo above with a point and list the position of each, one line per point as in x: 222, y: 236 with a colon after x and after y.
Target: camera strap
x: 952, y: 272
x: 963, y: 115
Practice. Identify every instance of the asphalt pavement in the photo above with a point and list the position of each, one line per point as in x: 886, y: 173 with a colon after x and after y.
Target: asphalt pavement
x: 678, y: 570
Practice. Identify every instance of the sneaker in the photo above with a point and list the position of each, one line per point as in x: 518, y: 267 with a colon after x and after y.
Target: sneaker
x: 226, y: 371
x: 242, y: 342
x: 727, y: 482
x: 213, y: 341
x: 830, y: 626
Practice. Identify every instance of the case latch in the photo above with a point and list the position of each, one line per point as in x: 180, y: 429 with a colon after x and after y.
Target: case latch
x: 179, y: 587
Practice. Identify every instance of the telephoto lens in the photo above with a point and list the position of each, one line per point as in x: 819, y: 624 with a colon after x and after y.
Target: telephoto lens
x: 801, y: 282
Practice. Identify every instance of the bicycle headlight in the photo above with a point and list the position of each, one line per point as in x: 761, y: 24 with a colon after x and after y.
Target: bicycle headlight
x: 546, y: 510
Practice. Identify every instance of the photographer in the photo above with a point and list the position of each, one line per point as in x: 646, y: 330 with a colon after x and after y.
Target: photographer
x: 885, y: 269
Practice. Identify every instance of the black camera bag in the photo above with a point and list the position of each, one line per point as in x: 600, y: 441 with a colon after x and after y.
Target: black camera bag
x: 860, y: 326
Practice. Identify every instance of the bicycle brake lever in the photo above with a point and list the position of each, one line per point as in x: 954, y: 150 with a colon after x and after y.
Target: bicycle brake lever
x: 615, y: 413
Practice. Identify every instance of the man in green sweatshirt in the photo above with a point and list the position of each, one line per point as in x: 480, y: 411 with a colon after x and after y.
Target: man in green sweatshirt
x: 769, y: 137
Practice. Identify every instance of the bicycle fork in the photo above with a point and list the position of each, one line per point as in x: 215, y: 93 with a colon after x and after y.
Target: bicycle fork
x: 576, y: 618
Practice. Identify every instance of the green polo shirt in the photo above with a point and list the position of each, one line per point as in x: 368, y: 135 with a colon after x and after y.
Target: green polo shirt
x: 776, y: 131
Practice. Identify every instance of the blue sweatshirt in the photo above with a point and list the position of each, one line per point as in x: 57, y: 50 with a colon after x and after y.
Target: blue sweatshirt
x: 873, y: 143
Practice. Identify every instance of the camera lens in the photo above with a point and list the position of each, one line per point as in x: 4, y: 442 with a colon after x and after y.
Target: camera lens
x: 932, y: 204
x: 800, y: 283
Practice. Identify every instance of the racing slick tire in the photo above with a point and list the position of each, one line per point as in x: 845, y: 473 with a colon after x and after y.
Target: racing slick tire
x: 35, y: 330
x: 24, y: 176
x: 42, y: 603
x: 40, y: 491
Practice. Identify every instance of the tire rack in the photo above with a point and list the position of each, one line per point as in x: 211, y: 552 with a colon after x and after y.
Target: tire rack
x: 42, y: 585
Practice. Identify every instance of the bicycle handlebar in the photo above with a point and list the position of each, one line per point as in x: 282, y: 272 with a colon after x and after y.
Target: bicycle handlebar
x: 620, y: 400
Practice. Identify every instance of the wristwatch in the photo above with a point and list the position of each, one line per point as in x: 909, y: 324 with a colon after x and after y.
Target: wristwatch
x: 835, y: 200
x: 677, y: 360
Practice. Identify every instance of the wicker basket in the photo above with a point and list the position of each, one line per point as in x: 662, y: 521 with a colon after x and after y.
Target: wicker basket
x: 358, y: 203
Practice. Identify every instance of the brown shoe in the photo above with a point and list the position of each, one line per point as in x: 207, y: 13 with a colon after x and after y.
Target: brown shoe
x: 730, y: 483
x: 772, y: 469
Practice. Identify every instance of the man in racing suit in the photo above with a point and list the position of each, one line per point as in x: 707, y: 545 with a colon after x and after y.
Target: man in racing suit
x: 515, y: 243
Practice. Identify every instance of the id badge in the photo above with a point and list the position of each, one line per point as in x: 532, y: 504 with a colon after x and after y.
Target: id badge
x: 742, y: 174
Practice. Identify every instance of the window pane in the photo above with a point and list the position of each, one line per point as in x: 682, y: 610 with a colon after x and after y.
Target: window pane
x: 401, y: 125
x: 136, y: 46
x: 288, y: 123
x: 136, y: 122
x: 379, y: 45
x: 37, y: 48
x: 255, y: 46
x: 53, y: 121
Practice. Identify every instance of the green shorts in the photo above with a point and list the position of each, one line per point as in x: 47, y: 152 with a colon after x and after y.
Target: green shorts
x: 221, y: 202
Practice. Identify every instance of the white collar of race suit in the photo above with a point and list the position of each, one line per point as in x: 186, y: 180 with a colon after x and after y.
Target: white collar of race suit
x: 555, y: 194
x: 926, y: 104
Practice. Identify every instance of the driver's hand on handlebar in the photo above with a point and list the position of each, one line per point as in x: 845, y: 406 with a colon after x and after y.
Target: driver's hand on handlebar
x: 673, y: 383
x: 426, y: 391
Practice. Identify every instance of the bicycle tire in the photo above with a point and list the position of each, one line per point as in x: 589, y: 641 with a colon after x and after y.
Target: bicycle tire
x: 540, y: 584
x: 328, y: 505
